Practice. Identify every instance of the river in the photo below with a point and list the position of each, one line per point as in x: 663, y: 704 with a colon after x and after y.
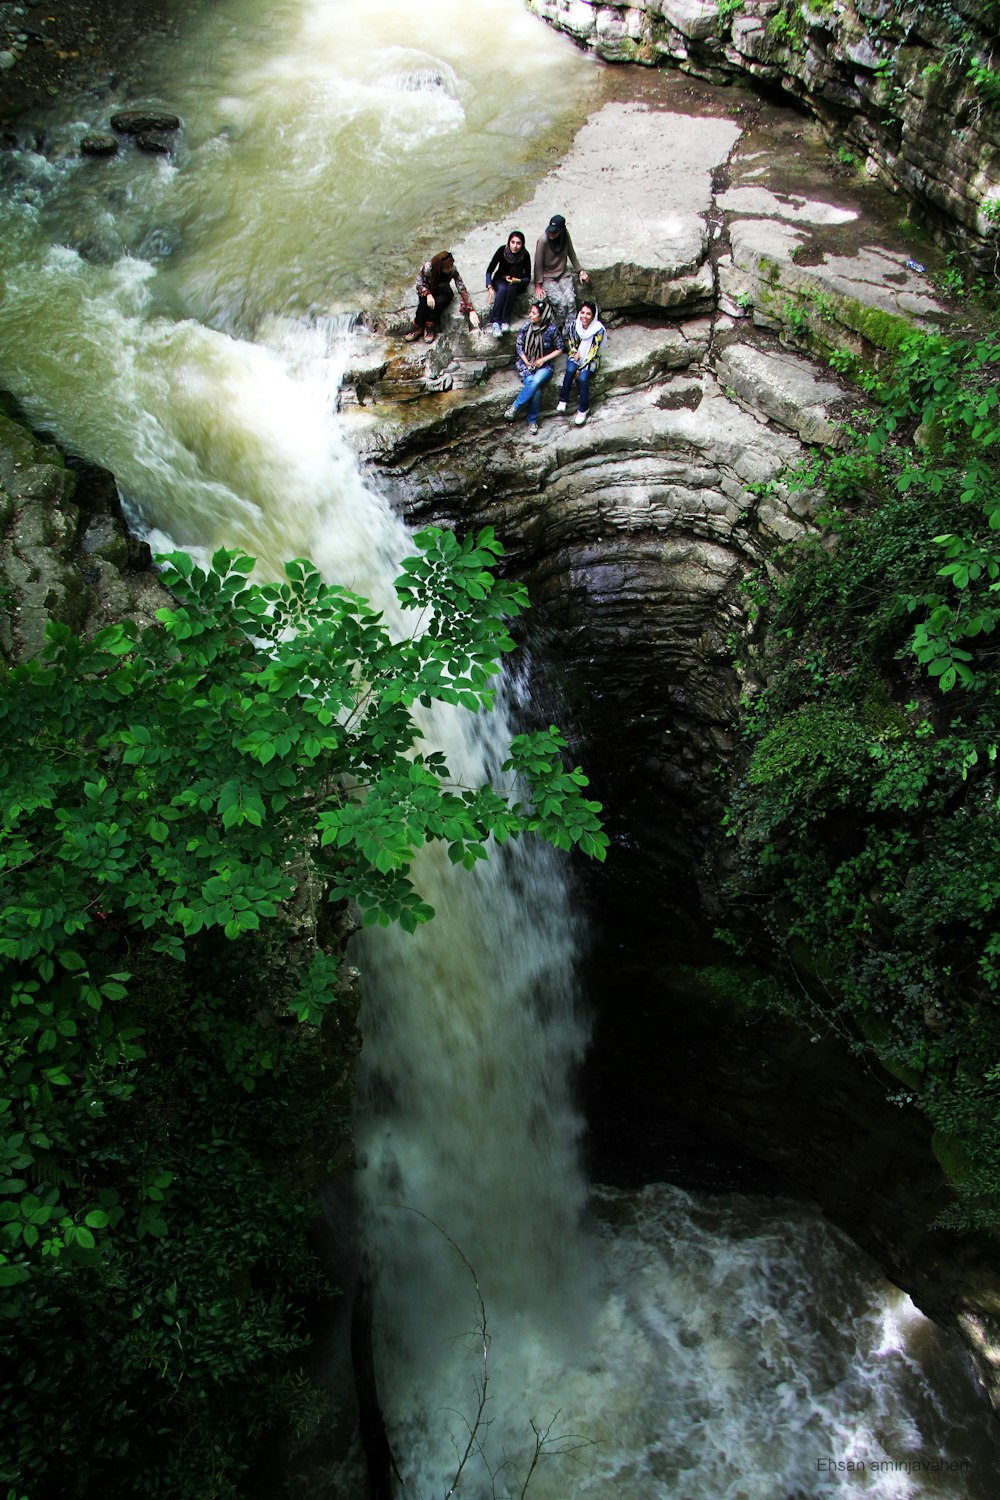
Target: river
x: 184, y: 320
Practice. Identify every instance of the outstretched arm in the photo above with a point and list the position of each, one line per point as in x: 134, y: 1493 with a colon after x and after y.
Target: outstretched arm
x: 571, y: 252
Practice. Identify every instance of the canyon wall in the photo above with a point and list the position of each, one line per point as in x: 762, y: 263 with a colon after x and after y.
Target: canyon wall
x: 911, y: 92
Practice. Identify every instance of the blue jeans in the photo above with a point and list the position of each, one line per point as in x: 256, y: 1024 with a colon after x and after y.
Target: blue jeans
x: 504, y: 295
x: 530, y: 394
x: 582, y: 374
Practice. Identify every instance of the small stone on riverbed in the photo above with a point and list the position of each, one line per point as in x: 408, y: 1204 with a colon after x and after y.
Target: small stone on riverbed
x: 7, y: 60
x: 98, y: 145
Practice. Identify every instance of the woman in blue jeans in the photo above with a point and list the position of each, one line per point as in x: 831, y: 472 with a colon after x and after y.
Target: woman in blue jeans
x: 584, y: 358
x: 539, y: 345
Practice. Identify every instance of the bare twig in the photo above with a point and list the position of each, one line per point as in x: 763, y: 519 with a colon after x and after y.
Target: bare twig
x: 545, y: 1445
x: 482, y: 1335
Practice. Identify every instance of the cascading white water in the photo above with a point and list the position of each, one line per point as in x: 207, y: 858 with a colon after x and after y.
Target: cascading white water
x: 468, y: 1142
x: 172, y: 321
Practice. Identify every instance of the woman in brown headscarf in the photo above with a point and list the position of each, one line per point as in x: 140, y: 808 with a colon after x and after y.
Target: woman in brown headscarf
x: 435, y: 293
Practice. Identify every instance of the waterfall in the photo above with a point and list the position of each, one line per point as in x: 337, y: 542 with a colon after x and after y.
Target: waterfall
x: 179, y: 322
x: 468, y: 1140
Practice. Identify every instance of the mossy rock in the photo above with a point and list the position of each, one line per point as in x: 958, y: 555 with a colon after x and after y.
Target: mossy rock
x: 21, y: 448
x: 885, y: 330
x: 952, y: 1155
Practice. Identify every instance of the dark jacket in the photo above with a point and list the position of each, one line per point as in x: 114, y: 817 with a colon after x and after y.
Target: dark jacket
x: 500, y: 269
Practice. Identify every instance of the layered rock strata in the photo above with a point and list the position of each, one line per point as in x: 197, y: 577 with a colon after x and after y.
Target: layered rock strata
x: 909, y: 94
x: 721, y: 251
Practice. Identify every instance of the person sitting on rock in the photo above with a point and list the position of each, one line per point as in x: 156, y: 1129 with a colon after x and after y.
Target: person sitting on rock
x: 584, y: 359
x: 434, y: 294
x: 554, y: 253
x: 507, y: 276
x: 539, y: 345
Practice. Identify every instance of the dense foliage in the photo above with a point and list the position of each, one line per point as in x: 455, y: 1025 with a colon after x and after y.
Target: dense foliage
x: 867, y: 820
x: 174, y: 1050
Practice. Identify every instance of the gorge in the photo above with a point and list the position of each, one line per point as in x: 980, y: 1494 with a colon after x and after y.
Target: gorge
x: 219, y: 327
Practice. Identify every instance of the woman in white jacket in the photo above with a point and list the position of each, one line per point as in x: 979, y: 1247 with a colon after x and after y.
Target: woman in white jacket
x: 584, y: 358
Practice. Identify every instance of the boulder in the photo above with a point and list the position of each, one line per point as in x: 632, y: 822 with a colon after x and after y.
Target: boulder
x: 141, y: 121
x: 98, y: 144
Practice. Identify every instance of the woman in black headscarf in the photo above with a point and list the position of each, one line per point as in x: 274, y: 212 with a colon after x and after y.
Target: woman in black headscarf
x: 554, y: 255
x: 507, y: 276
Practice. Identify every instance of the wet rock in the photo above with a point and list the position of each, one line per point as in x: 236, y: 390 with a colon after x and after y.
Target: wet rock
x: 141, y: 121
x: 156, y: 143
x: 103, y: 537
x: 97, y: 144
x: 65, y: 553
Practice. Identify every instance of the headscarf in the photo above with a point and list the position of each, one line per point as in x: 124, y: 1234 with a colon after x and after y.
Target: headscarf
x: 584, y: 337
x: 512, y: 256
x: 534, y: 333
x: 437, y: 273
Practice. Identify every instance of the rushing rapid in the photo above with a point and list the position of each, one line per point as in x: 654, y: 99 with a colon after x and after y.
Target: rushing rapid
x: 185, y: 322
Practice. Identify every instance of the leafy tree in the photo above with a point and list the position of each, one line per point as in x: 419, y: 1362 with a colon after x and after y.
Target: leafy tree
x: 166, y: 795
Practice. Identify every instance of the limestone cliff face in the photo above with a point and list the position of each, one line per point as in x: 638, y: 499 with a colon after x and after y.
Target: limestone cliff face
x: 910, y: 91
x: 724, y: 255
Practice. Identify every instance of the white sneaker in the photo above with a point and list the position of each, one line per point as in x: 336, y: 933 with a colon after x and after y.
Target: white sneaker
x: 510, y: 414
x: 560, y: 406
x: 505, y: 328
x: 495, y: 330
x: 580, y: 418
x: 533, y: 428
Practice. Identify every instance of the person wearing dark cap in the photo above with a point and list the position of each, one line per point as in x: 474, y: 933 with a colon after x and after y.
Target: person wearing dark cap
x: 554, y: 254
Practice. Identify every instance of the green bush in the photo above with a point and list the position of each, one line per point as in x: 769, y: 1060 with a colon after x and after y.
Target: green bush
x: 867, y: 820
x: 175, y: 1053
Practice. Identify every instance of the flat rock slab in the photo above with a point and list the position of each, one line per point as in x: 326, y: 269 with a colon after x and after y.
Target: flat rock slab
x: 637, y: 354
x: 809, y: 248
x: 780, y: 259
x: 635, y: 189
x: 686, y: 203
x: 785, y: 387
